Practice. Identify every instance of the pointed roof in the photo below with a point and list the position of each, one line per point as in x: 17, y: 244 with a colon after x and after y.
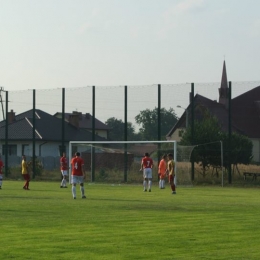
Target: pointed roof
x: 224, y: 81
x: 200, y: 104
x: 223, y: 90
x: 245, y: 110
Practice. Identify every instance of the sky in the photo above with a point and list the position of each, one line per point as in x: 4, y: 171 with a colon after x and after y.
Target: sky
x: 76, y: 43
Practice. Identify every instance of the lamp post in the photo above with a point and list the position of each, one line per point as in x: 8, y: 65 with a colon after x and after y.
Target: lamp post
x: 187, y: 115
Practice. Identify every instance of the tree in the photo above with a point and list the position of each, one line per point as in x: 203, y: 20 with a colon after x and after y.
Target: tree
x: 208, y: 131
x: 207, y: 134
x: 148, y: 119
x: 118, y: 129
x: 241, y: 149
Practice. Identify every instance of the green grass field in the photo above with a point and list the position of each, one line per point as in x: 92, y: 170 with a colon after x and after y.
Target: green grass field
x: 123, y: 222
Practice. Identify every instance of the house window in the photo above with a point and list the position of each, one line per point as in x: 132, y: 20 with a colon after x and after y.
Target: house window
x: 12, y: 149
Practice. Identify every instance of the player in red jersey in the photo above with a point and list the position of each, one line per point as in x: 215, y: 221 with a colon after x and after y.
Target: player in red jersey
x: 64, y: 170
x: 1, y: 172
x: 146, y: 167
x: 77, y: 175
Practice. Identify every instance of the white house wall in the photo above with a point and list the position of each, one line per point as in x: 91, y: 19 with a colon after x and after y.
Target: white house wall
x: 102, y: 133
x: 41, y: 149
x: 176, y: 135
x: 256, y: 150
x: 48, y: 149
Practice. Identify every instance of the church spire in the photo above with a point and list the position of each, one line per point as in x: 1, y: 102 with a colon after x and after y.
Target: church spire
x: 223, y: 90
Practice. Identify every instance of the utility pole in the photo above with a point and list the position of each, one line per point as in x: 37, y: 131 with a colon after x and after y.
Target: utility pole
x: 1, y: 100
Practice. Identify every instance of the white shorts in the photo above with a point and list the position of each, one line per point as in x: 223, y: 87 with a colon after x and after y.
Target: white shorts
x: 77, y: 179
x: 148, y: 173
x: 64, y: 172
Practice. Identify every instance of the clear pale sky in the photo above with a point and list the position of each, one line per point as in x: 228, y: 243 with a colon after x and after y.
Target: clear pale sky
x: 74, y: 43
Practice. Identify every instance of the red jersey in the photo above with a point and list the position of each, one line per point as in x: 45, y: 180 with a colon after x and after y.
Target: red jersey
x: 76, y: 164
x: 147, y: 162
x: 1, y: 166
x: 63, y: 163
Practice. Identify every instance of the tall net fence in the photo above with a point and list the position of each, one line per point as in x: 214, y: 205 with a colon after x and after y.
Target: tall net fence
x: 110, y: 102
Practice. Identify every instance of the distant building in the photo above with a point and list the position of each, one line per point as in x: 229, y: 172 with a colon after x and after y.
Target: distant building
x: 245, y: 114
x: 84, y: 121
x: 48, y: 130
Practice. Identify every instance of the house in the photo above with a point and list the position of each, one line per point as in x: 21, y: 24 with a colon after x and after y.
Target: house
x: 48, y: 132
x: 84, y: 121
x: 140, y: 149
x: 245, y: 114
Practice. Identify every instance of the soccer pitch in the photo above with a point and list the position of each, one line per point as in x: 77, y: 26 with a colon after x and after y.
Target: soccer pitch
x: 123, y: 222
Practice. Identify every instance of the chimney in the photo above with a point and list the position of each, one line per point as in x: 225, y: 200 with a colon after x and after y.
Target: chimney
x: 74, y: 118
x: 87, y: 115
x: 11, y: 117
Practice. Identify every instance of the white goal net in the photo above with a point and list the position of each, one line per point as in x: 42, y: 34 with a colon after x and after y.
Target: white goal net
x: 184, y: 165
x: 119, y: 162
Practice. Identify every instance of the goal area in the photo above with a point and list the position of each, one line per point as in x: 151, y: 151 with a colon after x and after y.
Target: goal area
x: 119, y: 161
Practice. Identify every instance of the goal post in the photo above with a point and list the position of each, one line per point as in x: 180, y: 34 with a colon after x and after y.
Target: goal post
x: 122, y: 158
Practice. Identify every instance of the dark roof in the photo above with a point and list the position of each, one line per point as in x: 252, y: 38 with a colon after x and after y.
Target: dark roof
x: 47, y: 128
x: 245, y: 111
x: 85, y: 121
x: 201, y: 103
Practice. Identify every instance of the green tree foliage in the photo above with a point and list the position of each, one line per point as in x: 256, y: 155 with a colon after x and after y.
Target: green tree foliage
x: 38, y: 167
x: 208, y: 132
x: 207, y: 135
x: 148, y: 119
x: 118, y: 130
x: 241, y: 149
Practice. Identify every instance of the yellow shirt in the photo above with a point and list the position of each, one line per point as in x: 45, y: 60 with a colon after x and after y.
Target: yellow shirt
x: 24, y: 167
x: 171, y: 165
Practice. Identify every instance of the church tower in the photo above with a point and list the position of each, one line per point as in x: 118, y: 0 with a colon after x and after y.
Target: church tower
x: 223, y: 90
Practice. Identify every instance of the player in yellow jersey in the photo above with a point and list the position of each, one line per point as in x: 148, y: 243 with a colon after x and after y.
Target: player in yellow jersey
x: 171, y: 173
x: 25, y: 173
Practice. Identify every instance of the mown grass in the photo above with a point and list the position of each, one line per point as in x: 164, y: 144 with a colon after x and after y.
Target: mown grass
x: 123, y: 222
